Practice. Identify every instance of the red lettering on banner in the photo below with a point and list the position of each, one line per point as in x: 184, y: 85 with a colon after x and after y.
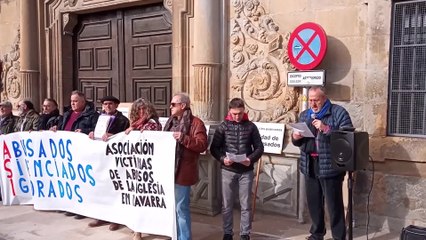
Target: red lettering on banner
x: 6, y: 168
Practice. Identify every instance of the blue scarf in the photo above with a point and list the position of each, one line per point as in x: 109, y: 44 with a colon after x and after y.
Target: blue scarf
x: 321, y: 113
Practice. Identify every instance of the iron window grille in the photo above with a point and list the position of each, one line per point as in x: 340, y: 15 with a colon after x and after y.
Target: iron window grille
x: 407, y: 86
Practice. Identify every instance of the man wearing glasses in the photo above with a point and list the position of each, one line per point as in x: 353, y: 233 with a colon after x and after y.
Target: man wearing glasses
x: 191, y: 137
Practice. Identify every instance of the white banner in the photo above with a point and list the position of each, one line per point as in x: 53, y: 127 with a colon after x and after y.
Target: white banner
x: 272, y: 135
x: 127, y: 180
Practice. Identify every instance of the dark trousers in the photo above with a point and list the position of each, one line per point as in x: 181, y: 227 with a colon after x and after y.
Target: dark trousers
x: 330, y: 190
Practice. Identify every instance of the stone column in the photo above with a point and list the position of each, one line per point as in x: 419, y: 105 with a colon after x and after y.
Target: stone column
x: 204, y: 93
x: 207, y: 50
x: 29, y: 52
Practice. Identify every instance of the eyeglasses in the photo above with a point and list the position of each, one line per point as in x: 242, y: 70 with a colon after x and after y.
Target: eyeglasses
x: 173, y: 104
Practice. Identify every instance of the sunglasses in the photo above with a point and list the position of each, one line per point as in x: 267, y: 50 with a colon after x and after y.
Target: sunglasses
x: 173, y: 104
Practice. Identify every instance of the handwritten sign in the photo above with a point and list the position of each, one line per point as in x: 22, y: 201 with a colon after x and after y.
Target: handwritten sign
x: 272, y: 136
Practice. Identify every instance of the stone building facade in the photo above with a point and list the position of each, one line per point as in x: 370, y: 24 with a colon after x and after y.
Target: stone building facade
x: 223, y: 49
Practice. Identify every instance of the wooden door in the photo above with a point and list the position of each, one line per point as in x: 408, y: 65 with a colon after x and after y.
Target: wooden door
x: 125, y: 53
x: 148, y: 54
x: 96, y: 58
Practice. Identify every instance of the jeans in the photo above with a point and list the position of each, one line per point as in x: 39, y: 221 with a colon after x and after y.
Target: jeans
x: 183, y: 214
x: 231, y: 183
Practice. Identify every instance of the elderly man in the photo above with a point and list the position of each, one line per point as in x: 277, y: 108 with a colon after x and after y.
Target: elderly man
x: 321, y: 180
x: 191, y: 137
x: 29, y: 119
x: 116, y: 122
x: 7, y: 119
x: 49, y: 116
x: 82, y: 115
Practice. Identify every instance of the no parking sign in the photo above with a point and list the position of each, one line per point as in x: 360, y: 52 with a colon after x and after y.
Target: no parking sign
x: 307, y: 46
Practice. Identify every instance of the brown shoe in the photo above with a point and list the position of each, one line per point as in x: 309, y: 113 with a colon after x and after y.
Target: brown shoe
x: 114, y: 226
x: 96, y: 223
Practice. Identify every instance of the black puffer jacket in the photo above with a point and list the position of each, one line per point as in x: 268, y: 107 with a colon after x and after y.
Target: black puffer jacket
x: 238, y: 138
x: 86, y: 121
x: 119, y: 124
x: 49, y: 120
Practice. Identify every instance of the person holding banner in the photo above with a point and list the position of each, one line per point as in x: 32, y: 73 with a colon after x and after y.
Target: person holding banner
x: 191, y: 137
x: 7, y: 119
x: 116, y: 122
x: 143, y: 116
x: 322, y: 181
x: 29, y: 120
x: 237, y: 145
x: 50, y: 114
x: 81, y: 117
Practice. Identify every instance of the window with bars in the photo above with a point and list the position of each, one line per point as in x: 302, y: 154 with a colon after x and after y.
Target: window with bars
x: 407, y: 83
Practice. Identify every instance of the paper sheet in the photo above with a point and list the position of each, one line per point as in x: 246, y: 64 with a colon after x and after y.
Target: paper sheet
x: 302, y: 128
x: 236, y: 157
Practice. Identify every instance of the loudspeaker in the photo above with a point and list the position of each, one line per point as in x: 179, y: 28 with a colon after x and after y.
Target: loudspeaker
x: 349, y: 150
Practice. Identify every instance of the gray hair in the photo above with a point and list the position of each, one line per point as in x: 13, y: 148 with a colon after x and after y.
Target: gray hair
x: 184, y: 98
x: 321, y: 88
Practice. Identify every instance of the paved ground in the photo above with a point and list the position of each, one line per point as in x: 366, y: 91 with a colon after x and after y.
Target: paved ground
x: 24, y: 223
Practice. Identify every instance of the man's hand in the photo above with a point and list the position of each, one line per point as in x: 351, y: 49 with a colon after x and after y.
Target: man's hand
x: 227, y: 162
x: 92, y: 135
x: 54, y: 128
x: 319, y: 125
x: 246, y: 162
x: 106, y: 136
x: 297, y: 135
x: 177, y: 135
x: 128, y: 130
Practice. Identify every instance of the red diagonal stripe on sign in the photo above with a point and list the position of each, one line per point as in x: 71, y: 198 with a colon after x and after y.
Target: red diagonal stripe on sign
x: 305, y: 46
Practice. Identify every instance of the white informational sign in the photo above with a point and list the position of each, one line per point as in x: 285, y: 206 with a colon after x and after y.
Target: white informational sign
x: 272, y: 136
x: 306, y: 78
x: 127, y: 180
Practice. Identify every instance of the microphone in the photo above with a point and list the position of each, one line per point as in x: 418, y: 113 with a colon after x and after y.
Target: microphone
x: 313, y: 116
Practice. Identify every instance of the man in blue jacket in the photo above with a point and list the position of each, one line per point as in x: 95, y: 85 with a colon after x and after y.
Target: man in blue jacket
x: 322, y: 181
x: 237, y: 136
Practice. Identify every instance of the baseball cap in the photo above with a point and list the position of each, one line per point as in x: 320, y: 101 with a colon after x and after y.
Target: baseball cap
x: 6, y: 104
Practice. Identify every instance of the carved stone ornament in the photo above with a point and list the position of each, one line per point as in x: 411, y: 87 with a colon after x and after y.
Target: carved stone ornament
x: 70, y: 3
x: 168, y: 4
x: 10, y: 85
x: 259, y: 64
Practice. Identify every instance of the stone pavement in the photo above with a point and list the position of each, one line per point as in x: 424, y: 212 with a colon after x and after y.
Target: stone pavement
x: 25, y: 223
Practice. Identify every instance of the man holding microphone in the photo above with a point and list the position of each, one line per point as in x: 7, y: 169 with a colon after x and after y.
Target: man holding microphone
x: 323, y: 182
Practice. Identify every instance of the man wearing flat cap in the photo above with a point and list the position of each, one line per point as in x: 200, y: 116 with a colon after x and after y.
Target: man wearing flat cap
x: 7, y: 119
x: 116, y: 122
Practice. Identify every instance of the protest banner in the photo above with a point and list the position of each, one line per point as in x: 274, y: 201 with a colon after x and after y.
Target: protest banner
x: 127, y: 180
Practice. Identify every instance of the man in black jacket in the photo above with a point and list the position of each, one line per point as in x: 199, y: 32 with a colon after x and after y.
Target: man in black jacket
x: 116, y: 122
x: 81, y: 117
x: 237, y: 145
x: 49, y: 116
